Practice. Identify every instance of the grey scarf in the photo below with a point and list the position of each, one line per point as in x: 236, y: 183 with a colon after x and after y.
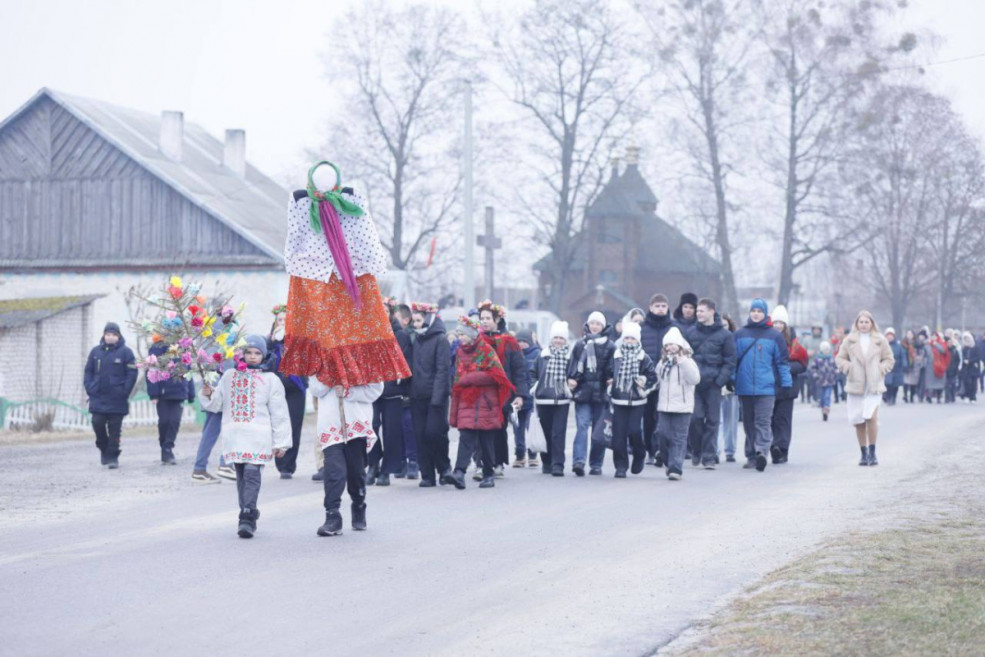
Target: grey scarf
x: 629, y: 369
x: 557, y: 369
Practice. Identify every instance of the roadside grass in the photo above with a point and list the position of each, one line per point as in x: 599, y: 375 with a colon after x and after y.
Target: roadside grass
x: 10, y: 437
x: 917, y: 589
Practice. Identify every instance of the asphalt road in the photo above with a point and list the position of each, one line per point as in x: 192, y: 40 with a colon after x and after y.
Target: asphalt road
x: 141, y: 561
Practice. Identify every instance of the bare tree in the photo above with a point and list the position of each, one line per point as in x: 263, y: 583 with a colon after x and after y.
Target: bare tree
x: 706, y: 46
x: 823, y: 57
x: 892, y: 170
x: 566, y: 68
x: 399, y: 77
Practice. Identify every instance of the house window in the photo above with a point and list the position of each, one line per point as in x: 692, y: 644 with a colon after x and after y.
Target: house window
x: 608, y: 276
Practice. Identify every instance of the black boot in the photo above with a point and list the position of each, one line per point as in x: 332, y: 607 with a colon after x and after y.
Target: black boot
x: 413, y: 470
x: 456, y: 479
x: 372, y: 472
x: 102, y: 458
x: 333, y: 524
x: 872, y: 456
x: 775, y: 454
x: 490, y: 482
x: 247, y: 526
x: 865, y: 457
x: 167, y: 456
x: 319, y: 476
x: 359, y: 517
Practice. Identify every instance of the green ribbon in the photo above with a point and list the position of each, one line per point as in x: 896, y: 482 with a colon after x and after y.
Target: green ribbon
x: 334, y: 196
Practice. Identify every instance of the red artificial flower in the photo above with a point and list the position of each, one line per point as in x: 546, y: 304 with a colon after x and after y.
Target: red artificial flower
x: 175, y: 292
x: 241, y: 366
x: 197, y: 322
x: 217, y: 358
x: 194, y: 310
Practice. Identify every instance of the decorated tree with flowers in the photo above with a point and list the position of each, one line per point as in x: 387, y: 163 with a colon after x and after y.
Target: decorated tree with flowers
x: 200, y: 333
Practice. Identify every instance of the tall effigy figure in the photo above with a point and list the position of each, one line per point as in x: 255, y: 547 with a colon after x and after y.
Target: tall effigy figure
x: 338, y: 331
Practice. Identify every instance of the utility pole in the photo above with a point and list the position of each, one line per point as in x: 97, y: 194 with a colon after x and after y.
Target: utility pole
x: 469, y: 295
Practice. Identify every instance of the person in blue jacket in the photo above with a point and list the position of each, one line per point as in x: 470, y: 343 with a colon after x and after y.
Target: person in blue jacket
x: 110, y: 374
x: 168, y: 396
x: 762, y: 369
x: 531, y: 353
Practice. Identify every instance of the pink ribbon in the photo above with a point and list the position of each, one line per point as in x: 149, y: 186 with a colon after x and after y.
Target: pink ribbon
x: 332, y: 228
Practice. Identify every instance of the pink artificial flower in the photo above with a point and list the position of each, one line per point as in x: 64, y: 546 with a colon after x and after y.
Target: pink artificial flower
x: 242, y: 366
x: 227, y: 311
x: 186, y: 358
x: 171, y: 365
x: 202, y: 355
x: 197, y: 322
x: 238, y: 354
x: 171, y: 314
x: 217, y: 358
x: 163, y: 376
x: 185, y: 343
x: 152, y: 360
x: 153, y: 376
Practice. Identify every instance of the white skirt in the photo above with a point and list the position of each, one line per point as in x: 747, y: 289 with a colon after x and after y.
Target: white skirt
x: 862, y: 407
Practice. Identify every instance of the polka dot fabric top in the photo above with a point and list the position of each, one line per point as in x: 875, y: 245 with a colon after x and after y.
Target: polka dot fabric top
x: 307, y: 253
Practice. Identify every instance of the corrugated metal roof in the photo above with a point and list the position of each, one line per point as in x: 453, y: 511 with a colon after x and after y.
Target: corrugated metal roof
x: 254, y: 206
x: 18, y: 312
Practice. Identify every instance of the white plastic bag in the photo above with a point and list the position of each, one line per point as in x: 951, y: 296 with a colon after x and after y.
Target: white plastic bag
x: 536, y: 442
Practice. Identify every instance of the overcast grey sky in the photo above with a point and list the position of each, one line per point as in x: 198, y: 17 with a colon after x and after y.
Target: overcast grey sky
x: 258, y: 65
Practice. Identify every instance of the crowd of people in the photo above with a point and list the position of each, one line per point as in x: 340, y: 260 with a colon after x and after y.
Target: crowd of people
x: 657, y: 388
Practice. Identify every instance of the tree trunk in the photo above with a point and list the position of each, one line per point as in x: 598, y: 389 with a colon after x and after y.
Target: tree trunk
x: 562, y: 235
x: 731, y: 300
x: 396, y: 252
x: 790, y: 216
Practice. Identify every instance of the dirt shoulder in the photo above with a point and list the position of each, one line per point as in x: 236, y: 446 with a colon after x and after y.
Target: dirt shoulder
x: 913, y: 587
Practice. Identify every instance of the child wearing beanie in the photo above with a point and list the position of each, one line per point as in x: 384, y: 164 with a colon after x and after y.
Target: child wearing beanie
x: 256, y: 425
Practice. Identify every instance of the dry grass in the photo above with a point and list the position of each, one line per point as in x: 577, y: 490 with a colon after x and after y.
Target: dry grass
x: 915, y: 589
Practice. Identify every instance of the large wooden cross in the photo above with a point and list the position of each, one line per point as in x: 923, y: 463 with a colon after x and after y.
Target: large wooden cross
x: 490, y: 242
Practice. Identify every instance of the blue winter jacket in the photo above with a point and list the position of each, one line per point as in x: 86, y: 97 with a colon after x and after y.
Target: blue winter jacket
x: 172, y: 389
x: 895, y: 377
x: 530, y: 356
x: 110, y: 375
x: 762, y: 360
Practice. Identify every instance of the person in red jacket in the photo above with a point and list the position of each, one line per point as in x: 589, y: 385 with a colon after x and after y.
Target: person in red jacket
x: 478, y: 394
x: 785, y: 397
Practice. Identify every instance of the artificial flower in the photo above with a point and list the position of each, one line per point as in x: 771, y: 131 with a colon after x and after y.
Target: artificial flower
x: 217, y: 358
x: 185, y: 343
x: 163, y: 376
x: 156, y: 338
x: 230, y: 353
x: 194, y: 310
x: 186, y: 358
x: 193, y: 288
x: 153, y: 376
x: 221, y: 339
x: 175, y: 292
x: 206, y: 333
x: 197, y: 322
x: 152, y: 360
x: 241, y: 366
x: 175, y: 281
x: 171, y: 314
x: 210, y: 321
x: 238, y: 354
x: 200, y: 299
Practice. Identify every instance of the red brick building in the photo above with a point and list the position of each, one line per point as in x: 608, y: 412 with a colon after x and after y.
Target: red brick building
x: 627, y: 253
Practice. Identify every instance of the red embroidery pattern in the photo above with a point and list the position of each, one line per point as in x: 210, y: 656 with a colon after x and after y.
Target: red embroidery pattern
x: 248, y: 456
x: 242, y: 395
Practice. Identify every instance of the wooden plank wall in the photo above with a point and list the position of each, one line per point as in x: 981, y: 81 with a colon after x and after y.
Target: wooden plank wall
x: 67, y: 195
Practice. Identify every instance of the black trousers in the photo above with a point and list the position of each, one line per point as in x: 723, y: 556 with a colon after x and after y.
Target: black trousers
x: 554, y: 422
x: 707, y: 416
x: 471, y: 440
x: 108, y: 427
x: 390, y: 450
x: 782, y: 424
x: 650, y: 424
x: 345, y: 468
x: 168, y: 421
x: 295, y: 409
x: 431, y: 433
x: 626, y: 423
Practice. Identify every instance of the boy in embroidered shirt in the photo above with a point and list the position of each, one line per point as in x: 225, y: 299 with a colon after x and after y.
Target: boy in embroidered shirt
x: 256, y: 425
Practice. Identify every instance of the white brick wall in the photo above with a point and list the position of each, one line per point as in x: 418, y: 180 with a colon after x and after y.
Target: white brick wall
x: 62, y: 359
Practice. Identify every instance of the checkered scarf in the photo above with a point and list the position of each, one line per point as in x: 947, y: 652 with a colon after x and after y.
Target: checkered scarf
x: 629, y: 369
x: 557, y: 367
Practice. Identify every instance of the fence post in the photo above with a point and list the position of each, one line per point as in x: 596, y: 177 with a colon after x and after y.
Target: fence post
x: 4, y: 405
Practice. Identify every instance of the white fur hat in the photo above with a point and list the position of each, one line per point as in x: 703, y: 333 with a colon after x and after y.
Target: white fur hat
x: 559, y: 330
x: 597, y: 317
x: 780, y: 315
x: 631, y: 330
x: 889, y: 330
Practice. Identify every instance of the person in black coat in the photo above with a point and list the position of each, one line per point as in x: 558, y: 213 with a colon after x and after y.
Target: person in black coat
x: 168, y: 396
x: 110, y: 374
x: 388, y: 456
x: 591, y: 359
x: 655, y: 326
x: 633, y: 375
x: 685, y: 315
x: 430, y: 392
x: 295, y: 392
x: 714, y: 354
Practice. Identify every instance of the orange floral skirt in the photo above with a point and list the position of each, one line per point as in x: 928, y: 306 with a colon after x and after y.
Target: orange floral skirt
x: 325, y: 336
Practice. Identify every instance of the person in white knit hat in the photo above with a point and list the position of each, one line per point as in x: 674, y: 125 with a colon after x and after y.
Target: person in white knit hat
x: 633, y: 377
x: 552, y: 396
x: 591, y: 358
